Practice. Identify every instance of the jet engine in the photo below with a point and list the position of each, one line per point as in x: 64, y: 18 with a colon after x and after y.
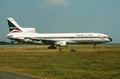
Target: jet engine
x: 33, y: 30
x: 61, y: 43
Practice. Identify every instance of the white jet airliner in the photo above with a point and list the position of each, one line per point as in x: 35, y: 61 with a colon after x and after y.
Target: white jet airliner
x: 29, y: 35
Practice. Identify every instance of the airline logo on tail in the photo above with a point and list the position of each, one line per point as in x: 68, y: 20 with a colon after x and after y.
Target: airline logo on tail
x: 14, y: 27
x: 15, y: 31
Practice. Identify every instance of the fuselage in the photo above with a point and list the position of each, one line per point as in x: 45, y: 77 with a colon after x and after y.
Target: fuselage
x: 79, y: 38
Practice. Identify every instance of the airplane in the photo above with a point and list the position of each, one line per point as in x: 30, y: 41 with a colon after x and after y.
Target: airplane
x: 29, y: 35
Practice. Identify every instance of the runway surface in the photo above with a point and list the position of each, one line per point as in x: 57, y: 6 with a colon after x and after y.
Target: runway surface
x: 8, y: 75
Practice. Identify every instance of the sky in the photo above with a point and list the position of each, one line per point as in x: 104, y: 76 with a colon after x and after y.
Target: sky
x: 58, y: 16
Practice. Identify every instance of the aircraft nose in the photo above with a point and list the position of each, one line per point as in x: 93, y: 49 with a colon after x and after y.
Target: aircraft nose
x: 110, y: 39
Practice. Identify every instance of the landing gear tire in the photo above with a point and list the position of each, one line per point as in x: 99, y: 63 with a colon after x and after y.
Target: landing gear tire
x: 52, y: 46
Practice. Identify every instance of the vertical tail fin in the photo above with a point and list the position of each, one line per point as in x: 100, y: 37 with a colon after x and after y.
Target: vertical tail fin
x: 13, y: 25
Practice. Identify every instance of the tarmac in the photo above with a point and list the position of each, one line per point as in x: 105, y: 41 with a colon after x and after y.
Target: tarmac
x: 8, y: 75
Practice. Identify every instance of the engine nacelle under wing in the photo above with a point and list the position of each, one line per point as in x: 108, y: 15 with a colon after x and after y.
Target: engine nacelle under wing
x: 60, y: 43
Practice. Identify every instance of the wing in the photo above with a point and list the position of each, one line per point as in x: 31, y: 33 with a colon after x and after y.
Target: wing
x: 58, y: 42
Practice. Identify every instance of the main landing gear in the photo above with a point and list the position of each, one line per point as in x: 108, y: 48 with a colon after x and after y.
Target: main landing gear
x: 52, y: 46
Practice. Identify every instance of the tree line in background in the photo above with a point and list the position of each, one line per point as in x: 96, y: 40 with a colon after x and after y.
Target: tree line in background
x: 9, y: 43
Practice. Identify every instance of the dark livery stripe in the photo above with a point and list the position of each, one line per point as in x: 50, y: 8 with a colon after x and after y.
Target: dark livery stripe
x: 63, y: 37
